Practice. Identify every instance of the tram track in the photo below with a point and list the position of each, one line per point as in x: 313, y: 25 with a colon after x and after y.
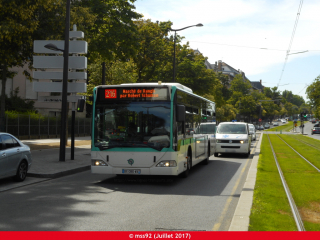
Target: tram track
x: 299, y: 153
x: 300, y: 140
x: 293, y: 206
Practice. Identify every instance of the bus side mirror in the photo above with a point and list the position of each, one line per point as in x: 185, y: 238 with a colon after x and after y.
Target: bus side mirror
x: 181, y: 113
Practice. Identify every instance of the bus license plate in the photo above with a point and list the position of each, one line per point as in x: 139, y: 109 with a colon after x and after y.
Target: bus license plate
x: 131, y: 171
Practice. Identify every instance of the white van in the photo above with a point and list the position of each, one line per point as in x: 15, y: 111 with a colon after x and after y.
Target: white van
x: 208, y: 129
x: 233, y: 137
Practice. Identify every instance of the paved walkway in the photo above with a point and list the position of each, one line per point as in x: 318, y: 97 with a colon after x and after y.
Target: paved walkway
x: 241, y: 217
x: 46, y: 164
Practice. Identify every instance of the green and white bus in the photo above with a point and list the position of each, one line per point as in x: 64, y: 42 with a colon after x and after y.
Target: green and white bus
x: 142, y: 129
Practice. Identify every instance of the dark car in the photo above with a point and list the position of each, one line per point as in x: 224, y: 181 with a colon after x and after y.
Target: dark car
x: 15, y: 157
x: 260, y: 127
x: 189, y: 131
x: 315, y: 130
x: 313, y: 121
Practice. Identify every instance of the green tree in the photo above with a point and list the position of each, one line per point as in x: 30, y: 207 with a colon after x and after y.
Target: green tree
x: 239, y: 84
x: 305, y: 108
x: 21, y: 22
x: 16, y: 103
x: 287, y: 95
x: 105, y: 22
x: 291, y: 108
x: 192, y: 71
x: 313, y: 93
x: 154, y: 51
x: 113, y: 33
x: 117, y: 72
x: 154, y: 59
x: 270, y: 109
x: 227, y: 112
x: 220, y: 92
x: 267, y: 92
x: 297, y: 100
x: 235, y: 97
x: 247, y: 106
x: 292, y: 98
x: 225, y: 82
x: 272, y: 93
x: 17, y: 24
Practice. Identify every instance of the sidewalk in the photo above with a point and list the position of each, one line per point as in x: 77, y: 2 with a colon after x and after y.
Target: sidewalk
x: 46, y: 164
x: 241, y: 217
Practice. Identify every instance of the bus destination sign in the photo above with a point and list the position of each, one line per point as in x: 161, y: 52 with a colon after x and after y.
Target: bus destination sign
x: 137, y: 93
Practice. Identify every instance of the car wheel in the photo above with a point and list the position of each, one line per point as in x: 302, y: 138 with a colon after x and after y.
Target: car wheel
x: 248, y: 154
x: 22, y: 171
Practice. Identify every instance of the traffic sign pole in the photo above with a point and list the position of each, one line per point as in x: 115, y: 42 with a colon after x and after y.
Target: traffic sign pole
x: 64, y: 114
x: 55, y: 62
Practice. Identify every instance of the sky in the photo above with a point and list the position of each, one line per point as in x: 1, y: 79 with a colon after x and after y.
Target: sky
x: 251, y: 35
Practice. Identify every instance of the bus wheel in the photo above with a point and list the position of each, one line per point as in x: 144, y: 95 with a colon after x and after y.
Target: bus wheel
x: 206, y: 161
x: 185, y: 174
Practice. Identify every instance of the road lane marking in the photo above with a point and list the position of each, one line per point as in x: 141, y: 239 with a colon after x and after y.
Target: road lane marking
x: 217, y: 226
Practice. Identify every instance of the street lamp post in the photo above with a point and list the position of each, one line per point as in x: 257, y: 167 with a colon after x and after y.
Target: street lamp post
x: 64, y: 114
x: 174, y: 45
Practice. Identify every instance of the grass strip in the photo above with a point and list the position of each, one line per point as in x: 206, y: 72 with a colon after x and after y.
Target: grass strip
x: 310, y: 153
x: 270, y: 210
x: 308, y: 139
x: 285, y: 128
x: 303, y: 181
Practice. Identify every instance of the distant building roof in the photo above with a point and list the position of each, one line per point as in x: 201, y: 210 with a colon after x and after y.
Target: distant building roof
x: 208, y: 65
x: 257, y: 85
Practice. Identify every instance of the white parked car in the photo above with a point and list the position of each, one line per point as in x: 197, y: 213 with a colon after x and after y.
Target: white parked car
x: 275, y: 124
x: 283, y: 121
x: 252, y: 131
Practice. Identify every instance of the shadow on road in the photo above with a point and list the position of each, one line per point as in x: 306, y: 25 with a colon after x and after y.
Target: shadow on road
x: 203, y: 180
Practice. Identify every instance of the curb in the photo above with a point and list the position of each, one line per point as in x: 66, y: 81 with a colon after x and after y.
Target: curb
x: 241, y: 217
x: 59, y: 174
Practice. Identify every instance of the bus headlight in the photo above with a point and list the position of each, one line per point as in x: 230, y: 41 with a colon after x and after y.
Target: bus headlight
x: 168, y: 163
x: 98, y: 163
x: 219, y: 141
x: 244, y: 141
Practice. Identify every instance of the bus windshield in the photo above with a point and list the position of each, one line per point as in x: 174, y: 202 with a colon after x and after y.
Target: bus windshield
x: 132, y: 124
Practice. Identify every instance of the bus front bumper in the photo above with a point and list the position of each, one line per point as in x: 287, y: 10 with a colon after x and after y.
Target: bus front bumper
x: 172, y: 171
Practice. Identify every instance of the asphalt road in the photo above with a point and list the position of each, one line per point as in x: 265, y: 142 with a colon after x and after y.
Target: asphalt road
x: 204, y: 201
x: 307, y: 130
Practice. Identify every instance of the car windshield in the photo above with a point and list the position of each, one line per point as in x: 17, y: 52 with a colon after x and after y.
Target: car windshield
x: 232, y: 129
